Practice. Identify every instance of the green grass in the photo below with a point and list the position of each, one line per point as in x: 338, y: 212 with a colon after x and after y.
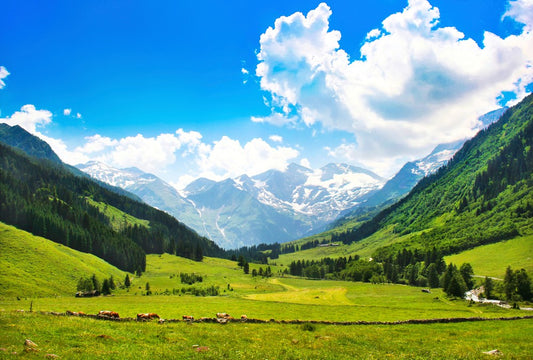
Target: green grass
x: 82, y: 338
x: 493, y: 259
x: 119, y: 219
x: 363, y: 248
x: 32, y: 266
x: 280, y: 298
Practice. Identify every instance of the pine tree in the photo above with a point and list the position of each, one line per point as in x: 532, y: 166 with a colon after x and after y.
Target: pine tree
x: 509, y: 283
x: 112, y: 284
x: 523, y: 284
x: 457, y: 286
x: 246, y: 268
x: 106, y: 289
x: 467, y: 272
x: 127, y: 282
x: 96, y: 283
x: 433, y: 276
x: 489, y: 287
x: 147, y: 288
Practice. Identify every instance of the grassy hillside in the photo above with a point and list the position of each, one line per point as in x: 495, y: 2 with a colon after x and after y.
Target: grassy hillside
x: 493, y: 259
x: 484, y: 195
x: 35, y: 267
x: 118, y: 219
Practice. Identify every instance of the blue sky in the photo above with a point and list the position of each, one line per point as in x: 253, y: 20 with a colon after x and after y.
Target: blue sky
x: 188, y: 89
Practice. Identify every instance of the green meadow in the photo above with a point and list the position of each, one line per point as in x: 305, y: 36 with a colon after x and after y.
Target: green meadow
x: 493, y: 259
x: 35, y: 267
x: 82, y: 338
x: 41, y: 276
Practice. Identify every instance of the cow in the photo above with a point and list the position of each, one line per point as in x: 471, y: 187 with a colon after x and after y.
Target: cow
x: 75, y: 313
x: 147, y: 316
x: 107, y: 313
x: 223, y: 315
x: 187, y: 318
x: 244, y: 317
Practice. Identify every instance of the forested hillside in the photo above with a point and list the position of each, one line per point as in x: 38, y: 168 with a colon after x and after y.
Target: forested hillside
x: 483, y: 195
x: 46, y: 199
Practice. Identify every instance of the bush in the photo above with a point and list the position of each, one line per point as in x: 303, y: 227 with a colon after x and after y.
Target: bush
x: 308, y: 327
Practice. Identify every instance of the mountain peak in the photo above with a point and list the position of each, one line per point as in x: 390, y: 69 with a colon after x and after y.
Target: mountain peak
x: 18, y: 137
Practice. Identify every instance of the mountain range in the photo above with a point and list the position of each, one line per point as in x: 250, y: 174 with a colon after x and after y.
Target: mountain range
x: 276, y: 206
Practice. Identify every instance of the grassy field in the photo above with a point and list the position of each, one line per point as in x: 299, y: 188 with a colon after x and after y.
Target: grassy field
x: 43, y: 275
x: 119, y: 219
x: 32, y: 266
x: 493, y: 259
x: 82, y: 338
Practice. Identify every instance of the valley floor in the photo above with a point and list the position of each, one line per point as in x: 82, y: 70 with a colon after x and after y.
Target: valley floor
x: 279, y: 298
x: 82, y: 338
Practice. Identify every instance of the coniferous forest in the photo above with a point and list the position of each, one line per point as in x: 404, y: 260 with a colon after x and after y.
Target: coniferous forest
x: 46, y: 199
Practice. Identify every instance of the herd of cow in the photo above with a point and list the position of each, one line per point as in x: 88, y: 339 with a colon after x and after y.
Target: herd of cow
x: 106, y: 314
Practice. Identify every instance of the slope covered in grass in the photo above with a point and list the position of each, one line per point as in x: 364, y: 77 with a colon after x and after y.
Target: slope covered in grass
x: 493, y: 259
x: 483, y: 195
x: 33, y: 266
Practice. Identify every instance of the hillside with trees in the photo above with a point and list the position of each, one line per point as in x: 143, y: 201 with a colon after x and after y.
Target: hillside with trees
x: 44, y: 197
x: 483, y: 195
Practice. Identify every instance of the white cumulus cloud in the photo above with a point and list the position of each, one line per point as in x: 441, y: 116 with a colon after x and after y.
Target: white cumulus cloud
x: 276, y: 138
x: 3, y: 74
x: 522, y: 12
x: 228, y: 158
x: 67, y: 112
x: 417, y: 84
x: 29, y: 118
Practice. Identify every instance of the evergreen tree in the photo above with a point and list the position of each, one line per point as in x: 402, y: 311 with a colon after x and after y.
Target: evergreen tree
x: 147, y: 288
x: 127, y: 282
x: 106, y: 288
x: 433, y: 276
x: 523, y: 284
x: 241, y: 261
x: 457, y: 286
x: 489, y: 287
x: 509, y: 283
x: 96, y: 283
x: 246, y: 268
x: 467, y: 272
x: 112, y: 284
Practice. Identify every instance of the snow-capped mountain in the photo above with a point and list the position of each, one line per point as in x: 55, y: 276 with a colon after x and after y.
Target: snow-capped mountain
x: 151, y: 189
x: 274, y: 206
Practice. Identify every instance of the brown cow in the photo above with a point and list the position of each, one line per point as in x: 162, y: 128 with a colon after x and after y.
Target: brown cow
x: 187, y: 318
x: 107, y: 313
x: 75, y: 313
x: 223, y: 315
x: 147, y: 316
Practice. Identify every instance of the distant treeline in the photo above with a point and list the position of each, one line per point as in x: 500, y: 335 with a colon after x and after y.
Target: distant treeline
x: 405, y: 267
x: 47, y: 200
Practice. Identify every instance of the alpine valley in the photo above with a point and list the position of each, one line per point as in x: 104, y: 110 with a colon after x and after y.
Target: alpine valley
x: 276, y: 206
